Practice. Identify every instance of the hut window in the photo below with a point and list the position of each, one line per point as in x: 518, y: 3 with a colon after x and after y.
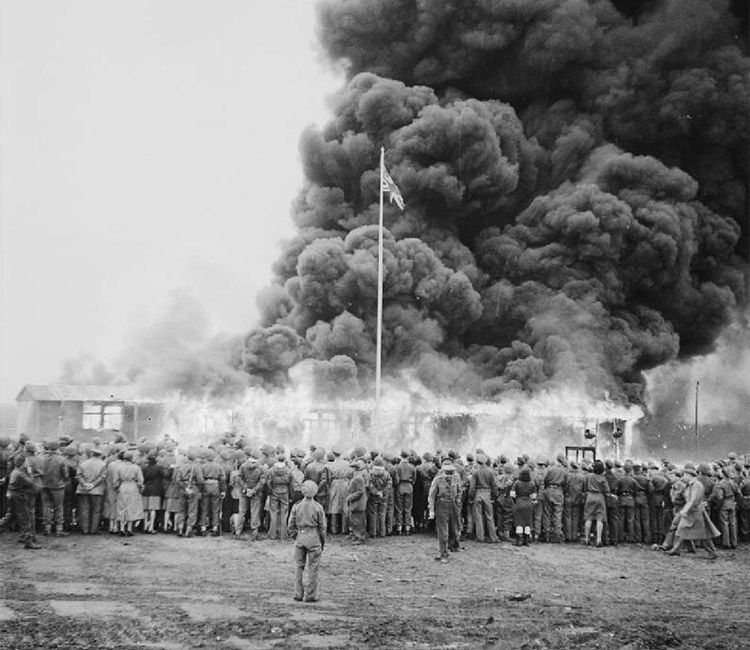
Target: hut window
x: 98, y: 416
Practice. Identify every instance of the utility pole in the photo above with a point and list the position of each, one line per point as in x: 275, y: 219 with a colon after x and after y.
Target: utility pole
x: 697, y: 386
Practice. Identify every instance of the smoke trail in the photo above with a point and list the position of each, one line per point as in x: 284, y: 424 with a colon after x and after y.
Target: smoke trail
x: 575, y: 176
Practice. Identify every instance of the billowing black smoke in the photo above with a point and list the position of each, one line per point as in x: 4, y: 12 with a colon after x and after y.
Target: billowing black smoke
x: 575, y: 179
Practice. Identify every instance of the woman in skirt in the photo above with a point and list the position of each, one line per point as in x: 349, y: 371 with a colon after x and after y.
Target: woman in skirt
x: 129, y: 484
x: 171, y: 491
x: 596, y: 488
x: 524, y: 495
x: 114, y: 461
x: 152, y: 476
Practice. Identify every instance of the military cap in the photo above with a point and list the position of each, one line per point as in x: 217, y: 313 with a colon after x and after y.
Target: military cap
x: 309, y: 488
x: 267, y: 450
x: 503, y: 459
x: 520, y: 460
x: 404, y: 453
x: 447, y: 465
x: 704, y: 468
x: 279, y: 449
x: 652, y: 465
x: 452, y: 454
x: 482, y: 459
x: 4, y: 442
x: 428, y: 458
x: 319, y: 454
x: 562, y: 459
x: 470, y: 457
x: 542, y: 461
x: 336, y: 451
x: 732, y: 456
x: 51, y: 445
x: 95, y: 450
x: 374, y: 453
x: 64, y: 440
x: 609, y: 463
x: 378, y: 462
x: 618, y: 462
x: 30, y: 447
x: 359, y: 452
x: 573, y: 464
x: 637, y: 464
x: 689, y: 468
x: 331, y: 456
x: 71, y: 449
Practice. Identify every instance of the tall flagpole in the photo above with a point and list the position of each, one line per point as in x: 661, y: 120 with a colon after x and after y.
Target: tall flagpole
x: 379, y: 343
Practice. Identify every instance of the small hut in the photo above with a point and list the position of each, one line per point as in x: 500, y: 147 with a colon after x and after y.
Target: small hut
x: 81, y: 412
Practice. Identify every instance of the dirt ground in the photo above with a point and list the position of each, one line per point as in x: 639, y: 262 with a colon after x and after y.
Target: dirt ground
x: 165, y: 592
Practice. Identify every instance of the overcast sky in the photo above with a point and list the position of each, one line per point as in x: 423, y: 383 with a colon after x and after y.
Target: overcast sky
x: 146, y: 146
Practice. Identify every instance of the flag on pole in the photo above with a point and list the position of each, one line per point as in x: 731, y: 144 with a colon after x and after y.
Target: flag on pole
x: 387, y: 185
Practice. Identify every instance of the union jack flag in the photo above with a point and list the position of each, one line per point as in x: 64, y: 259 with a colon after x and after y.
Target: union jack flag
x: 387, y: 185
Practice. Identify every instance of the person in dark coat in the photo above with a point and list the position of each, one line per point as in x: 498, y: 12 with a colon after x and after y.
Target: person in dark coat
x: 524, y: 495
x: 594, y: 508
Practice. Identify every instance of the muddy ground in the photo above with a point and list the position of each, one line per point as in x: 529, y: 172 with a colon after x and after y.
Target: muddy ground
x: 165, y: 592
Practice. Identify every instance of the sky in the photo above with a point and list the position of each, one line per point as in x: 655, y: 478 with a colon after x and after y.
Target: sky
x: 146, y: 148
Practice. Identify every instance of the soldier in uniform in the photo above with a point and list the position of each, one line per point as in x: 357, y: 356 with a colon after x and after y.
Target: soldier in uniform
x: 483, y: 493
x: 656, y: 500
x: 281, y: 488
x: 555, y: 482
x: 743, y: 511
x: 377, y: 497
x: 252, y: 479
x: 307, y: 523
x: 725, y: 495
x: 317, y: 472
x: 574, y: 503
x: 390, y: 512
x: 626, y: 488
x: 189, y: 479
x: 613, y: 525
x: 6, y: 467
x: 22, y: 491
x: 538, y: 470
x: 54, y: 478
x: 338, y: 488
x: 407, y: 474
x: 213, y: 493
x: 640, y: 505
x: 504, y: 503
x: 426, y: 471
x: 90, y: 478
x: 356, y: 502
x: 443, y: 499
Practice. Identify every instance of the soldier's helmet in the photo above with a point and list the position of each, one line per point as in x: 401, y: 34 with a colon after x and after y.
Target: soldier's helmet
x: 447, y: 465
x: 689, y: 468
x: 309, y: 488
x: 4, y: 442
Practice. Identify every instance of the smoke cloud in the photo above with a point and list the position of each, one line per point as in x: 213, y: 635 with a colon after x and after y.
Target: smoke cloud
x: 575, y: 180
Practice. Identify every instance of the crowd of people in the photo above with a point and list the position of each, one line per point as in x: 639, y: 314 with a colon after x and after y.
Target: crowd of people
x: 61, y: 486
